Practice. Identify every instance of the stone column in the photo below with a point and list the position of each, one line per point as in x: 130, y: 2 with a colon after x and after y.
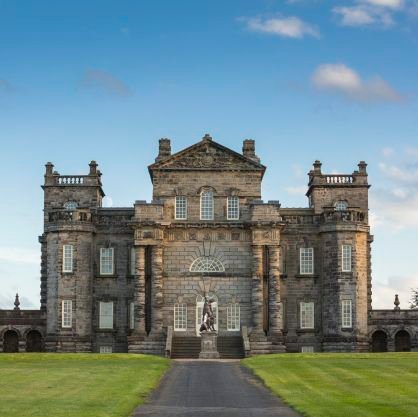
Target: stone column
x: 139, y: 297
x: 275, y: 296
x: 257, y: 288
x: 157, y: 289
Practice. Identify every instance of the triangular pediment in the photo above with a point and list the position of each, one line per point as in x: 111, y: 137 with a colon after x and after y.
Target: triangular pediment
x: 207, y: 155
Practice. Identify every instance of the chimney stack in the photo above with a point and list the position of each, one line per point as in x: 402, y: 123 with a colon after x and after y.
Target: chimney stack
x: 248, y: 150
x: 93, y: 168
x: 164, y: 149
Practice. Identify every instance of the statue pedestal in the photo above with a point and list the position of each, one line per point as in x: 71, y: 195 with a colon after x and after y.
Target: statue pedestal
x: 209, y: 346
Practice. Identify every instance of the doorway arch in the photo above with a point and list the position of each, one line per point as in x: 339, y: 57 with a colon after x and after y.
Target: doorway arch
x: 34, y: 341
x: 10, y: 341
x: 402, y: 341
x: 379, y: 341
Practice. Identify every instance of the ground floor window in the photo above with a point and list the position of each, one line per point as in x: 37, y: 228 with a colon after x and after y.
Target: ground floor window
x: 347, y: 314
x: 307, y: 349
x: 106, y: 349
x: 180, y: 317
x: 306, y: 315
x: 233, y: 317
x: 106, y: 315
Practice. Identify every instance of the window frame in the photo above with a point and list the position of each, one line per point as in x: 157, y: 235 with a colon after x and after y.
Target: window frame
x: 67, y: 314
x: 101, y: 324
x: 230, y: 207
x: 346, y: 258
x: 180, y: 208
x: 303, y: 310
x: 180, y: 317
x: 346, y: 315
x: 70, y: 205
x: 341, y: 205
x: 233, y: 317
x: 101, y: 261
x: 67, y: 257
x: 207, y: 212
x: 303, y: 270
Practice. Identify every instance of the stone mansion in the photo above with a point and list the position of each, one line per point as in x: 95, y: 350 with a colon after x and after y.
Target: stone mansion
x: 134, y: 279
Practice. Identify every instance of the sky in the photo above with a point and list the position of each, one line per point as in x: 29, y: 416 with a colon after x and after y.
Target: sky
x: 104, y: 80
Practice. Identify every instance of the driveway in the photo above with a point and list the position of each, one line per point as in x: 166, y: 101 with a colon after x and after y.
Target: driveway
x: 209, y: 389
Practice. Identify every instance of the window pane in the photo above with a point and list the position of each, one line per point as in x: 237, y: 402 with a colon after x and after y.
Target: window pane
x: 106, y: 315
x: 106, y: 261
x: 206, y: 205
x: 306, y: 315
x: 341, y: 206
x: 207, y: 264
x: 180, y: 317
x: 346, y: 313
x: 67, y: 313
x: 346, y: 258
x: 106, y: 349
x: 307, y: 349
x: 306, y: 261
x: 233, y: 317
x: 67, y: 258
x: 233, y: 208
x: 181, y: 208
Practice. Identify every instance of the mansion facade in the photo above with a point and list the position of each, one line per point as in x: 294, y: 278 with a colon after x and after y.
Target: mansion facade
x: 134, y: 279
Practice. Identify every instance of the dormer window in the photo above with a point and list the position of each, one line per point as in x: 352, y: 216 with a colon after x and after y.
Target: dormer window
x: 70, y: 205
x: 341, y: 205
x: 206, y: 205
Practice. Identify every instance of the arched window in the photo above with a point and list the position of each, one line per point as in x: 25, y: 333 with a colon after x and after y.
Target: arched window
x: 233, y: 321
x: 70, y: 205
x: 341, y: 205
x: 207, y: 264
x: 206, y: 205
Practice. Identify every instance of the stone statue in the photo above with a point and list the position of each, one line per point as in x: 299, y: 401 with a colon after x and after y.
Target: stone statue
x: 208, y: 319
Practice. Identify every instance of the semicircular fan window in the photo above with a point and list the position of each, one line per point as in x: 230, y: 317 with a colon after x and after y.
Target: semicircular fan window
x: 207, y: 264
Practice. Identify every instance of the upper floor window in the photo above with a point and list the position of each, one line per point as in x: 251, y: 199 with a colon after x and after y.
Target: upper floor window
x: 233, y: 208
x: 106, y: 261
x: 307, y: 315
x: 180, y: 317
x: 306, y: 261
x: 106, y: 315
x: 233, y: 321
x: 67, y: 258
x: 206, y: 205
x: 341, y: 205
x: 181, y: 208
x: 346, y: 314
x: 346, y: 258
x: 70, y: 205
x: 207, y: 264
x: 67, y: 313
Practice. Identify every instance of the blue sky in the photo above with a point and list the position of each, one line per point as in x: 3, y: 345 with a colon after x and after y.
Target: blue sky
x: 104, y: 80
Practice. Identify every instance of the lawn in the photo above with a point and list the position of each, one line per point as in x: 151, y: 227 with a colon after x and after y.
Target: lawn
x: 340, y: 385
x: 76, y: 385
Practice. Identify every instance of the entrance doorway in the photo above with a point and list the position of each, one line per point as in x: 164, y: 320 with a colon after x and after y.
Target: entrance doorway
x: 199, y: 308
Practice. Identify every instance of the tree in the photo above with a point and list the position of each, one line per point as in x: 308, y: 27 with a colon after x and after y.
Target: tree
x: 414, y: 298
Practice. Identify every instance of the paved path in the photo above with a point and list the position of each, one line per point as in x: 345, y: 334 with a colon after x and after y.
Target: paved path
x: 209, y: 389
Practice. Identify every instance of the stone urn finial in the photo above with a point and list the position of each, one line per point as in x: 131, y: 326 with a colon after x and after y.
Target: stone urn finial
x: 397, y: 303
x: 17, y: 302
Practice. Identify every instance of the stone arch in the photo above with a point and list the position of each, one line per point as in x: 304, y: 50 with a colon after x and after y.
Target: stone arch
x: 34, y: 341
x: 402, y: 341
x: 10, y: 341
x: 379, y: 341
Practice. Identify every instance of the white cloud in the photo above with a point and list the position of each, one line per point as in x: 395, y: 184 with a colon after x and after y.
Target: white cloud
x: 384, y: 293
x: 287, y: 27
x: 20, y: 255
x: 299, y: 190
x: 392, y: 4
x: 364, y: 15
x: 107, y: 202
x: 400, y: 174
x: 340, y: 79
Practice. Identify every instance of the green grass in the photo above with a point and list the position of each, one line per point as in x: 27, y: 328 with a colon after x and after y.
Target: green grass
x: 339, y: 385
x: 76, y: 385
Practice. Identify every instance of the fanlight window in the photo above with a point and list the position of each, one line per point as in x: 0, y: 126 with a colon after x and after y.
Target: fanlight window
x: 341, y: 205
x: 207, y: 264
x: 70, y: 205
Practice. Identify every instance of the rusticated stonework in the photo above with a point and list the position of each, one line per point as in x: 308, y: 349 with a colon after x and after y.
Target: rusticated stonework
x: 279, y: 278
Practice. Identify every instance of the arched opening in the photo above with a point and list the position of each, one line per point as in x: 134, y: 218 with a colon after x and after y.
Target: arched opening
x: 34, y: 341
x: 379, y: 341
x: 402, y: 341
x: 10, y: 342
